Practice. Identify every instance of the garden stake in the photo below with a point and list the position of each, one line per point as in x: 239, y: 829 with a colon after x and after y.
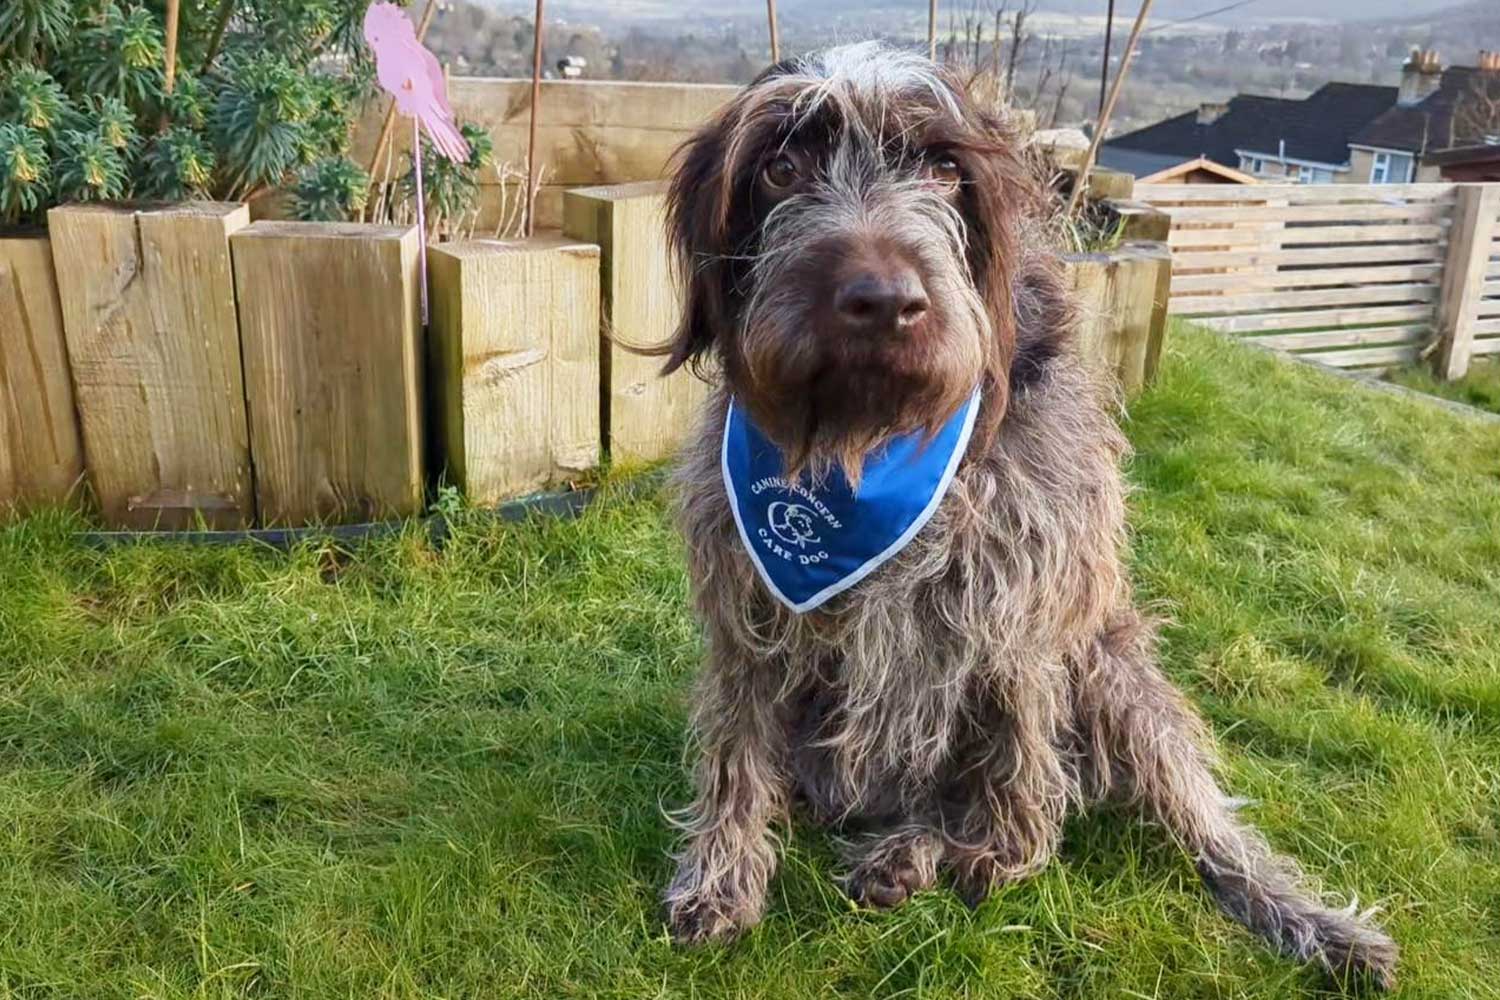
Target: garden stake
x: 416, y: 145
x: 536, y: 97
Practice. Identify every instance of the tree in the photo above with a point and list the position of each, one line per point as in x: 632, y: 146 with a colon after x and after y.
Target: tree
x: 264, y: 96
x: 1476, y: 114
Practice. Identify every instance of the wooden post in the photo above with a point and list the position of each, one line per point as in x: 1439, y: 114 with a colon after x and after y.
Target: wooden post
x: 148, y: 309
x: 643, y: 415
x: 1122, y: 303
x: 932, y: 30
x: 1470, y: 242
x: 514, y: 363
x: 41, y: 459
x: 328, y: 320
x: 1142, y: 288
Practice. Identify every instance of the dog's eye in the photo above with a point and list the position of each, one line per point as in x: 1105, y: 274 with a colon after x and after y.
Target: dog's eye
x: 780, y: 172
x: 944, y: 169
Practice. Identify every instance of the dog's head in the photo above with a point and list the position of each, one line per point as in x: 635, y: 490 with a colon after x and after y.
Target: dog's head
x: 848, y: 229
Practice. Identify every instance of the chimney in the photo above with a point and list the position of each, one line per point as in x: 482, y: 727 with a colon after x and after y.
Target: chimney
x: 1421, y: 74
x: 1211, y: 111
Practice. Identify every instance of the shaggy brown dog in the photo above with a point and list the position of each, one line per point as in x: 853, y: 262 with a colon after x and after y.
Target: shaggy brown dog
x: 855, y: 238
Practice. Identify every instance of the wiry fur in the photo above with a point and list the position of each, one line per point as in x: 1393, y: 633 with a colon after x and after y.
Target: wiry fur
x: 995, y: 673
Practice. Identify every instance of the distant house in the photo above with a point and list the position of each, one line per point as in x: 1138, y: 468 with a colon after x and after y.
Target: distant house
x: 1445, y: 123
x: 1440, y: 123
x: 1268, y: 138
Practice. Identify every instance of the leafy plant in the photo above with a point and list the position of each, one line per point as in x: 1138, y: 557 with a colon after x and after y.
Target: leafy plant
x: 177, y: 165
x: 264, y: 97
x: 331, y: 189
x: 25, y: 171
x: 449, y: 188
x: 89, y: 168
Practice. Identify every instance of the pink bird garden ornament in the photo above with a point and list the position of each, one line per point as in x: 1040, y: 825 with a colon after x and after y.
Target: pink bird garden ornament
x: 412, y: 75
x: 414, y: 79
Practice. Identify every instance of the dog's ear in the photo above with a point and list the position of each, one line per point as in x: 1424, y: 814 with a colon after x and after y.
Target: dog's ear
x: 697, y: 231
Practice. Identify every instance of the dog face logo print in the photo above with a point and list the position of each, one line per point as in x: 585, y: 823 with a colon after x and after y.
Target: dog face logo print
x: 810, y: 542
x: 792, y: 523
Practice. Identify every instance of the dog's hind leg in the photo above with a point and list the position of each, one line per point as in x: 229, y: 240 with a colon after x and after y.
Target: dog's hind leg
x: 729, y: 853
x: 891, y: 867
x: 1140, y: 741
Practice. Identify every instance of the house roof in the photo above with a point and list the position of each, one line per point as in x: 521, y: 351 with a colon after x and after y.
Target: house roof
x: 1317, y: 128
x: 1430, y: 123
x: 1226, y: 175
x: 1138, y: 162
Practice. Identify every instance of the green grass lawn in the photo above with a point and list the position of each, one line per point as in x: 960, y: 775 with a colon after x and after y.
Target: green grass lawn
x: 418, y: 773
x: 1479, y: 387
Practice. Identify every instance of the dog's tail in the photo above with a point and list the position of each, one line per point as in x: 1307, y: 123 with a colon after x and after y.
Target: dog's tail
x: 1144, y: 743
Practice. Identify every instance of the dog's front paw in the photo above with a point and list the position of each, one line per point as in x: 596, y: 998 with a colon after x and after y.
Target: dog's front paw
x: 894, y: 868
x: 701, y: 909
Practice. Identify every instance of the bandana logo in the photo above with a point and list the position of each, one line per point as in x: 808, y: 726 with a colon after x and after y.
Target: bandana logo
x: 792, y: 523
x: 810, y: 544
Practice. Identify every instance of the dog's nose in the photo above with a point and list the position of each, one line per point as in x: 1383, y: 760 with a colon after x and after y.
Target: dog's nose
x: 870, y: 302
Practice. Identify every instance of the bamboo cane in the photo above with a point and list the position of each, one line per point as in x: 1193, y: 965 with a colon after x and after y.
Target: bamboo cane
x: 932, y: 29
x: 536, y: 98
x: 1082, y: 181
x: 775, y: 38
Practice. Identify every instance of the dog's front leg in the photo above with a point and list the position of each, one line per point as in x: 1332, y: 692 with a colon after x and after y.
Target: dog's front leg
x: 729, y: 852
x: 1003, y: 819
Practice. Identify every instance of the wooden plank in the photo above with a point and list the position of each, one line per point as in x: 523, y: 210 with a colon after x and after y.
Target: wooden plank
x: 41, y: 456
x: 1367, y: 356
x: 1345, y: 338
x: 1294, y: 258
x: 1305, y: 279
x: 1295, y: 235
x: 328, y: 318
x: 148, y: 309
x: 1196, y: 305
x: 1464, y: 275
x: 1317, y: 319
x: 514, y: 372
x: 1310, y: 213
x: 1295, y: 194
x: 644, y: 415
x: 1487, y: 327
x: 1486, y: 345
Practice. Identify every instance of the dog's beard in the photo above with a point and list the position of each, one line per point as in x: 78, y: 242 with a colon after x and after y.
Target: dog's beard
x: 828, y: 399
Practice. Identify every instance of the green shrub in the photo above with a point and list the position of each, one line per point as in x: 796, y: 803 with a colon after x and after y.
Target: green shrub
x: 264, y: 98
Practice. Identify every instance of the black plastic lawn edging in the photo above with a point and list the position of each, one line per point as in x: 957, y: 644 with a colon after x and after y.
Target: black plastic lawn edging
x: 562, y: 503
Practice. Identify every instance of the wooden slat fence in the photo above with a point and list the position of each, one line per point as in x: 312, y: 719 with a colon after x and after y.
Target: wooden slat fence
x: 1358, y: 276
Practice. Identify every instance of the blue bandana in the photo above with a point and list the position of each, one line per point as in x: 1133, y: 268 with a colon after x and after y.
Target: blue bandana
x: 812, y: 542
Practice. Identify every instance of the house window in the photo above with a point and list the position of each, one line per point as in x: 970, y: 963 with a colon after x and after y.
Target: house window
x: 1252, y: 164
x: 1304, y: 174
x: 1391, y: 168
